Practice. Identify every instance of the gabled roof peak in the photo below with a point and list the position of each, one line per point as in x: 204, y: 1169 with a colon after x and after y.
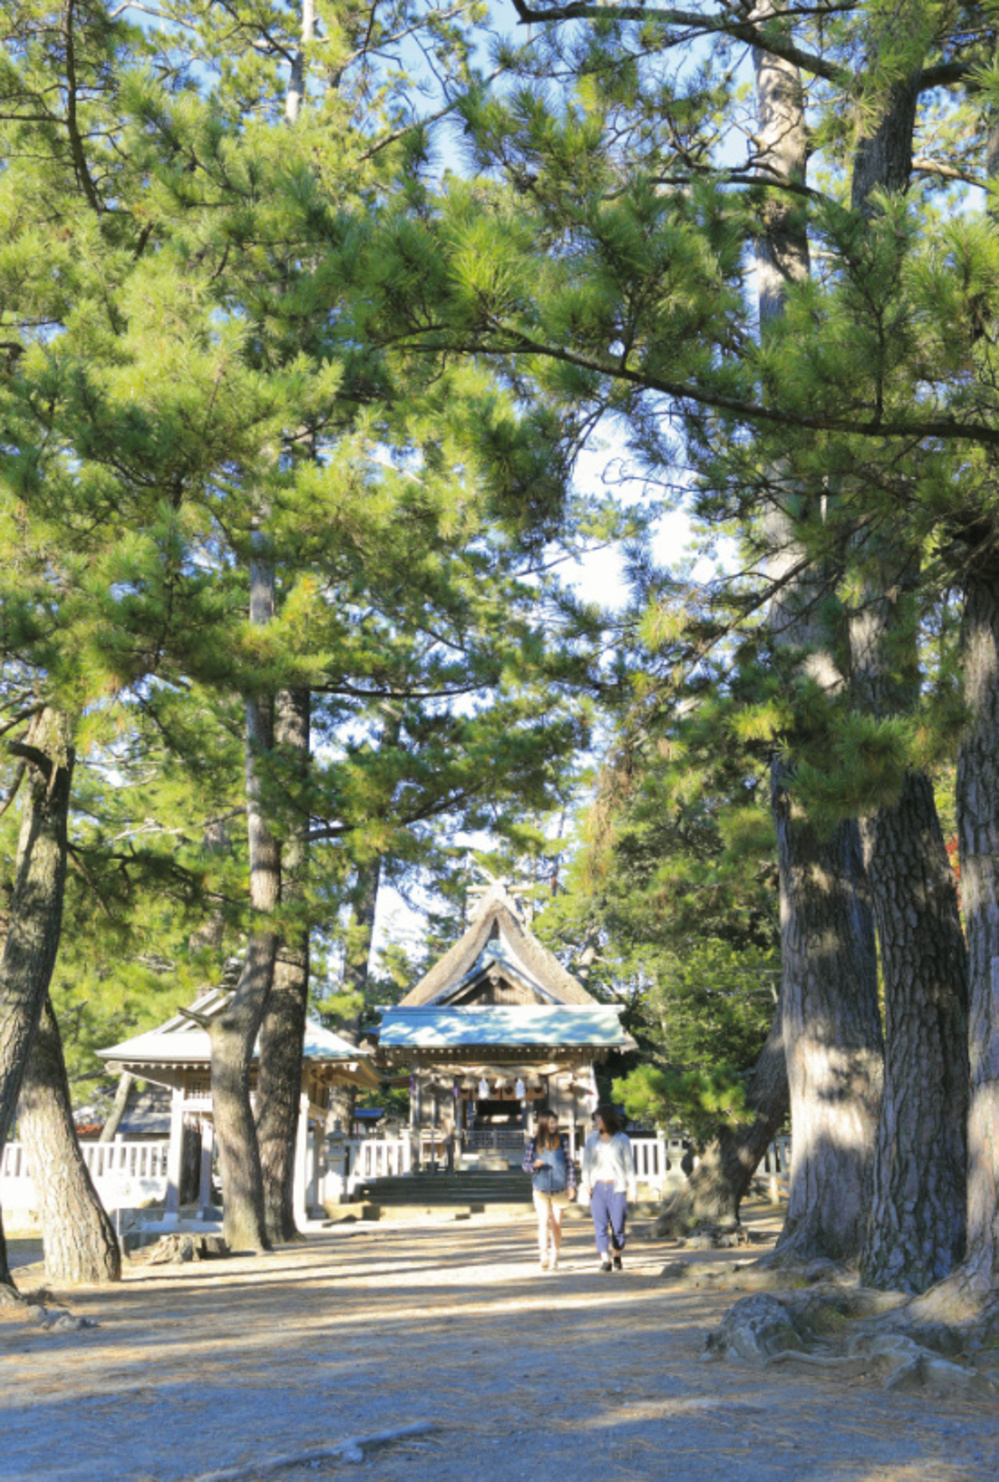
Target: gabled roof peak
x: 496, y: 919
x: 495, y: 896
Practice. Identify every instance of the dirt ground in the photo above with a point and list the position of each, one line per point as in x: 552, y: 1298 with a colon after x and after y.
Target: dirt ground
x: 570, y: 1376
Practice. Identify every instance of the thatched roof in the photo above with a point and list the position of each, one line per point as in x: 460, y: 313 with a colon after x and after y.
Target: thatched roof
x: 497, y: 935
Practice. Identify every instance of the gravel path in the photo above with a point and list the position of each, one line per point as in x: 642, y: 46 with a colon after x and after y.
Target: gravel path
x: 565, y: 1377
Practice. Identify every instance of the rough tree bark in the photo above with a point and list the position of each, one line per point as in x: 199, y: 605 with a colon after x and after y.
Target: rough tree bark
x: 916, y: 1229
x: 831, y: 1027
x: 716, y: 1188
x: 78, y: 1237
x: 978, y: 834
x: 978, y: 826
x: 234, y: 1031
x: 35, y: 918
x: 35, y: 915
x: 916, y: 1232
x: 279, y: 1079
x: 832, y: 1036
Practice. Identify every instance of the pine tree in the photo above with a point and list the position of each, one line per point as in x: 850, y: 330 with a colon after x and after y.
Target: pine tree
x: 626, y: 289
x: 180, y: 384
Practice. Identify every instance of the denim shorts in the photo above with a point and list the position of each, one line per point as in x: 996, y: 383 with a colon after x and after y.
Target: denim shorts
x: 547, y: 1201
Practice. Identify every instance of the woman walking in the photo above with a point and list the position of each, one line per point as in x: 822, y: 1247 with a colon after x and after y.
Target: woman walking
x: 609, y: 1180
x: 553, y: 1176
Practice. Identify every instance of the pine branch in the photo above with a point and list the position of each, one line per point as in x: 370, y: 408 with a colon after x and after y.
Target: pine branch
x: 744, y: 177
x: 20, y: 718
x: 739, y: 28
x: 923, y: 166
x: 33, y: 755
x: 698, y: 25
x: 948, y: 429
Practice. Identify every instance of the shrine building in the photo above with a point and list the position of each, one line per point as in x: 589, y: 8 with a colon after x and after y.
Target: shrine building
x: 495, y: 1028
x: 178, y: 1055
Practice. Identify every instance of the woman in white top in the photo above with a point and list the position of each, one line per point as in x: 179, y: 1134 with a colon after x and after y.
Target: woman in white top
x: 609, y: 1179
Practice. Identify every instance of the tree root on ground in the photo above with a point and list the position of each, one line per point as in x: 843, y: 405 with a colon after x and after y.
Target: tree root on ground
x: 759, y: 1275
x: 179, y: 1248
x: 351, y: 1450
x: 9, y: 1294
x: 33, y: 1309
x: 725, y: 1235
x: 840, y: 1327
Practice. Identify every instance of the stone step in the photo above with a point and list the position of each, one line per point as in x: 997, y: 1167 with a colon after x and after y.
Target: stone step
x: 372, y: 1211
x: 454, y: 1180
x: 379, y: 1192
x: 415, y: 1213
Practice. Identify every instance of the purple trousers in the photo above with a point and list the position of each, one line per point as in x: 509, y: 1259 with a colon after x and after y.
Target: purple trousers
x: 608, y: 1209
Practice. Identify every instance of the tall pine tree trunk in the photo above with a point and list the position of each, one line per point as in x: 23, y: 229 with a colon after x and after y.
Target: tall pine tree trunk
x: 917, y: 1226
x: 832, y: 1035
x: 978, y: 836
x: 364, y: 897
x: 360, y: 935
x: 357, y: 955
x: 719, y: 1183
x: 978, y: 828
x: 234, y: 1031
x: 916, y: 1230
x: 282, y: 1018
x: 78, y: 1237
x: 279, y: 1081
x: 831, y: 1028
x: 35, y: 916
x: 356, y: 968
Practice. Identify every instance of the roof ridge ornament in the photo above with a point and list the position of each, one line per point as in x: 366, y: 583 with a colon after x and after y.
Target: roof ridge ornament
x: 496, y: 890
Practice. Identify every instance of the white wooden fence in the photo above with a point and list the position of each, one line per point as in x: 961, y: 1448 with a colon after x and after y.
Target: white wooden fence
x: 379, y: 1157
x: 126, y: 1174
x: 658, y: 1163
x: 130, y: 1174
x: 774, y: 1172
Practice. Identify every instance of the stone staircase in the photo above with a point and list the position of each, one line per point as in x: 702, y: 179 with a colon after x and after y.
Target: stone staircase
x: 453, y: 1196
x: 445, y: 1195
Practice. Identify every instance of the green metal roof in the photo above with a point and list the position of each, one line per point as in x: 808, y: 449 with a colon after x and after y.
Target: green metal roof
x: 502, y: 1026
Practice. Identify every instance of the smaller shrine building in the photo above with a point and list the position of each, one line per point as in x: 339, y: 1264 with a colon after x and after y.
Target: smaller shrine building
x: 178, y: 1055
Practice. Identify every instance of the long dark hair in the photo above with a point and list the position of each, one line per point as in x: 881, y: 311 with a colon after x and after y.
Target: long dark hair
x: 546, y: 1140
x: 610, y: 1116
